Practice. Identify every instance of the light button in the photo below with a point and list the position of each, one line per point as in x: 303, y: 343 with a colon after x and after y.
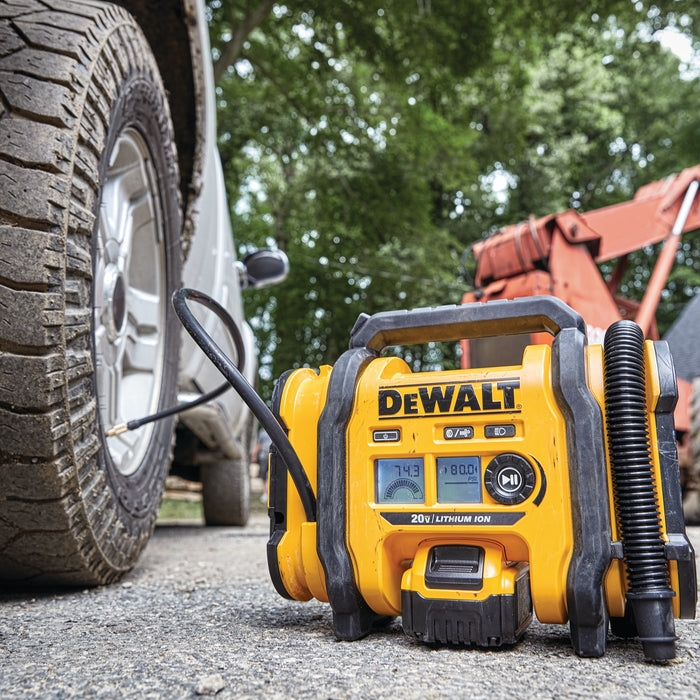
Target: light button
x: 506, y: 430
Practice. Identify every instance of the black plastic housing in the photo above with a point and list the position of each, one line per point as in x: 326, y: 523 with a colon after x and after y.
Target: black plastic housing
x: 496, y: 621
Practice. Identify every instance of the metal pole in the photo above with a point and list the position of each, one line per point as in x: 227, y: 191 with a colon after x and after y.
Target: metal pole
x: 650, y: 302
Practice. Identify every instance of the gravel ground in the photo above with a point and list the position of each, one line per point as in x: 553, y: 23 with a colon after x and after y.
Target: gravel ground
x: 199, y: 616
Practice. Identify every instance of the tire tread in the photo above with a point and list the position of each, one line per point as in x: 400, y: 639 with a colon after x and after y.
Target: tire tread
x: 60, y: 65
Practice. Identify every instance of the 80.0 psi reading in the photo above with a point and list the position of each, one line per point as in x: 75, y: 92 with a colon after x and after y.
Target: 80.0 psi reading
x: 459, y: 469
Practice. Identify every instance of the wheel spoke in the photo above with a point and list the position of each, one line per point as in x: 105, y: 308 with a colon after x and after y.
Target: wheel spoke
x: 126, y: 202
x: 144, y: 310
x: 142, y: 352
x: 115, y: 215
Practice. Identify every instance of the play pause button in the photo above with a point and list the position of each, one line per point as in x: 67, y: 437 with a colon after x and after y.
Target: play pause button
x: 509, y: 479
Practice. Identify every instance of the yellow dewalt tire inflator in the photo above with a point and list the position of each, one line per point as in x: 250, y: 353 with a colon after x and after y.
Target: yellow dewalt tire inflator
x: 465, y: 501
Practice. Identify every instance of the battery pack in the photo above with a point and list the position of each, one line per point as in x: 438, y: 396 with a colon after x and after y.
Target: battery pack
x: 500, y: 618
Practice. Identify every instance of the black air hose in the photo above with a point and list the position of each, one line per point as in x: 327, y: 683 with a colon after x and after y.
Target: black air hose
x: 636, y: 500
x: 243, y: 389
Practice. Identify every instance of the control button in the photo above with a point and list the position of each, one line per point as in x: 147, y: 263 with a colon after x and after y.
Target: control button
x: 499, y: 431
x: 386, y: 435
x: 458, y: 432
x: 509, y: 479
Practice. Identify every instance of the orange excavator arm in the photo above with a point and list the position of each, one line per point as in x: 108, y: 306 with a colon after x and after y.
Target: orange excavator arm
x: 648, y: 218
x: 609, y: 233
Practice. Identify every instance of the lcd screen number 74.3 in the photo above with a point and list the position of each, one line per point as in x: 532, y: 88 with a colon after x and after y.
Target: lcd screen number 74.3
x: 400, y: 480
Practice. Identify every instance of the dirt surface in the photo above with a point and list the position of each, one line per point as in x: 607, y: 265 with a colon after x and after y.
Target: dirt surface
x: 199, y: 615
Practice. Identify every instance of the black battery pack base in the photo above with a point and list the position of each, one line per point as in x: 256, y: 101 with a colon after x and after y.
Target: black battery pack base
x: 493, y: 622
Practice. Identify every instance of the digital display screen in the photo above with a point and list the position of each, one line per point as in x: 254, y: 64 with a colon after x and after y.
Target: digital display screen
x: 400, y: 480
x: 459, y: 480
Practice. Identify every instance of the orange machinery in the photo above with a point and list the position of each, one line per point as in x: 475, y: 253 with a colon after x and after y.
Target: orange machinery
x: 558, y: 255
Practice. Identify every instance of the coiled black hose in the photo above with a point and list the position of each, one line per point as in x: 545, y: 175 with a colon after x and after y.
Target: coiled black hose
x: 636, y: 500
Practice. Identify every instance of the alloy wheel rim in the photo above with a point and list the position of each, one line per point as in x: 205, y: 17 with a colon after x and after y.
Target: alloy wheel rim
x: 129, y: 299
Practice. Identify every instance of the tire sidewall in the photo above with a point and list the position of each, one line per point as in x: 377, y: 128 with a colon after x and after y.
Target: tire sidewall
x: 140, y: 105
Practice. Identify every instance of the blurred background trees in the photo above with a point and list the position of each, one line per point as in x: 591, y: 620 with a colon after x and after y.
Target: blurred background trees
x: 375, y: 141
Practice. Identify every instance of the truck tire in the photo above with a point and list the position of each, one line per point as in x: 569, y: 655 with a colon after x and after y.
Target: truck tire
x: 226, y: 483
x: 226, y: 492
x: 691, y: 496
x: 89, y: 255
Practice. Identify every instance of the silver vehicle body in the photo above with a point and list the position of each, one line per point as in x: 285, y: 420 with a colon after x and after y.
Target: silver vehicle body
x: 211, y: 268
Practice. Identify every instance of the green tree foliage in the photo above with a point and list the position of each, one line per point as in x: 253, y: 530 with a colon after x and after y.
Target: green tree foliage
x: 365, y: 139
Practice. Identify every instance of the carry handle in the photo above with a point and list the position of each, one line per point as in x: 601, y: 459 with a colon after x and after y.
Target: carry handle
x: 476, y: 320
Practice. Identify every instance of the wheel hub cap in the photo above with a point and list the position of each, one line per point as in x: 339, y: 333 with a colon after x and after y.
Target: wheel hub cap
x: 114, y: 302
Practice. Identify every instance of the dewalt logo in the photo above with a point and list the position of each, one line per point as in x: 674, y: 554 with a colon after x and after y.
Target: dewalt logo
x: 449, y: 399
